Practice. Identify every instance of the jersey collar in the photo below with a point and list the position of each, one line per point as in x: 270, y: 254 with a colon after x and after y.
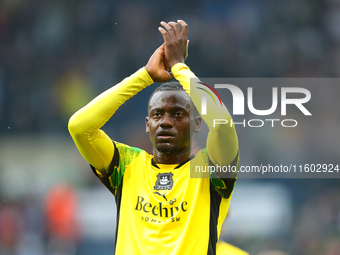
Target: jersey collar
x: 155, y: 165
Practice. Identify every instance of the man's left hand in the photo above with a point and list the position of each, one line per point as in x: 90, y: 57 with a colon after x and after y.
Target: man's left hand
x: 156, y: 66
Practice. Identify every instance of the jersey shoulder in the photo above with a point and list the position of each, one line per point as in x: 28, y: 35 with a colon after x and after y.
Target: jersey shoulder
x: 123, y: 156
x: 222, y: 183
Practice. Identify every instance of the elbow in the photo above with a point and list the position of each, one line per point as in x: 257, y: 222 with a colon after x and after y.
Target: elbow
x: 74, y: 126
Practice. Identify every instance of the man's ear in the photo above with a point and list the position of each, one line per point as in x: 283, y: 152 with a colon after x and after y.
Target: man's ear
x: 147, y: 124
x: 198, y: 121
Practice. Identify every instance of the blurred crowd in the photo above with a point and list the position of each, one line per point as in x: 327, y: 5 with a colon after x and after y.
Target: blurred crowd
x: 52, y: 226
x: 36, y: 227
x: 55, y: 56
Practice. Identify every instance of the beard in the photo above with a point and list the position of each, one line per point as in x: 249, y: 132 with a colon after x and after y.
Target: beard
x: 167, y: 149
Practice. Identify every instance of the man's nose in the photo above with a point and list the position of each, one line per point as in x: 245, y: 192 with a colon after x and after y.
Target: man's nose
x: 166, y: 120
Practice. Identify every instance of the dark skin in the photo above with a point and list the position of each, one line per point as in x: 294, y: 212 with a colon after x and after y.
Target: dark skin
x: 175, y: 41
x: 169, y: 122
x: 156, y: 66
x: 169, y: 125
x: 174, y: 50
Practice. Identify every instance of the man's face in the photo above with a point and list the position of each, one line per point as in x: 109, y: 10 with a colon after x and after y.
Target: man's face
x: 169, y: 123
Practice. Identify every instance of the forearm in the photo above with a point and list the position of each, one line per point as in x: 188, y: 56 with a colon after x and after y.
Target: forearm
x: 222, y: 142
x: 84, y: 126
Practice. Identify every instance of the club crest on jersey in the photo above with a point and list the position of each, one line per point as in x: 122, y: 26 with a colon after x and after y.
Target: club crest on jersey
x: 164, y: 181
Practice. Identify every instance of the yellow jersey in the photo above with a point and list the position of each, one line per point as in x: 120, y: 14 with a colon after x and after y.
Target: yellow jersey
x: 161, y: 210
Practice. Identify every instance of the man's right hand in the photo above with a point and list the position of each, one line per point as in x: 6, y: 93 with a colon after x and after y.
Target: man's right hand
x: 176, y: 42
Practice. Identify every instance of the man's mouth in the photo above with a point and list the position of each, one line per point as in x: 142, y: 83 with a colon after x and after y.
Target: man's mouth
x: 165, y: 135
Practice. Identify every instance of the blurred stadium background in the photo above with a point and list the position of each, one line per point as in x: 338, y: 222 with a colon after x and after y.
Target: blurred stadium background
x: 55, y: 56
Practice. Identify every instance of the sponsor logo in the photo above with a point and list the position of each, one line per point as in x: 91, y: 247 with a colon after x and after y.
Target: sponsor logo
x: 161, y: 195
x: 160, y: 209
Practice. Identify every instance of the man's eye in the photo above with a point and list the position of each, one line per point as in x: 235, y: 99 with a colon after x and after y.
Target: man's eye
x: 156, y: 114
x: 178, y: 114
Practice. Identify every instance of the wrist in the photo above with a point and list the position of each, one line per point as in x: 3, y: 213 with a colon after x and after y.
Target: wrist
x: 148, y: 74
x: 173, y: 63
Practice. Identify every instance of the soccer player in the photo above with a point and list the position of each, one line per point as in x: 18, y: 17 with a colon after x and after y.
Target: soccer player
x: 161, y: 210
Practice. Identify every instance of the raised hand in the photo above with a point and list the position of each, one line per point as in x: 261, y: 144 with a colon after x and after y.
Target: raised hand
x: 156, y: 66
x: 175, y: 41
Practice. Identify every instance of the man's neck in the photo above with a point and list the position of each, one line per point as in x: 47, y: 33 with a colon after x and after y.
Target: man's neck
x: 171, y: 158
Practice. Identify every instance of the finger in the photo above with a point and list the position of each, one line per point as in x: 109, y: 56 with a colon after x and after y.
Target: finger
x: 176, y: 28
x: 165, y: 34
x: 184, y: 26
x: 168, y: 28
x: 162, y: 47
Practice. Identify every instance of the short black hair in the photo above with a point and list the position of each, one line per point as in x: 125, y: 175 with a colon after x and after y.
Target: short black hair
x: 173, y: 86
x: 168, y: 86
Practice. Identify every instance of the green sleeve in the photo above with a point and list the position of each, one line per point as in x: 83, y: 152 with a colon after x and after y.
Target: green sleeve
x: 123, y: 156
